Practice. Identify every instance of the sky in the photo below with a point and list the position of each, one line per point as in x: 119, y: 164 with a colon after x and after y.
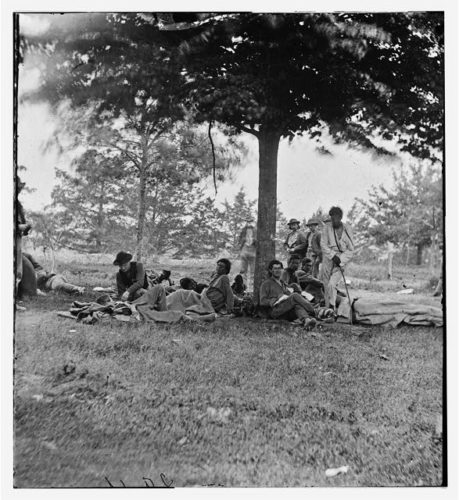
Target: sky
x: 307, y: 179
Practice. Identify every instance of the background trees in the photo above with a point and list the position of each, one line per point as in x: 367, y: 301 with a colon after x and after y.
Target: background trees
x: 361, y: 76
x: 372, y: 80
x: 408, y: 215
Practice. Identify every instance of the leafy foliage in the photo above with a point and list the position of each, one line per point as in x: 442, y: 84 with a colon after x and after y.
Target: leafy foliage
x: 409, y: 214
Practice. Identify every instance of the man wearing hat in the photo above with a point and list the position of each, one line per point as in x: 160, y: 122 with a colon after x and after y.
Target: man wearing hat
x: 296, y: 241
x: 314, y: 249
x: 247, y: 249
x: 131, y: 279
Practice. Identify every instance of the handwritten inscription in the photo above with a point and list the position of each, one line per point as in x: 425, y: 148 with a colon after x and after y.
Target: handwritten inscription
x: 164, y: 483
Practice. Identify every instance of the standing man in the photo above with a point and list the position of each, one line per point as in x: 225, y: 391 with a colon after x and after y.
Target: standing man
x: 314, y: 249
x: 22, y: 229
x: 131, y: 280
x: 247, y: 244
x: 337, y: 245
x: 296, y: 241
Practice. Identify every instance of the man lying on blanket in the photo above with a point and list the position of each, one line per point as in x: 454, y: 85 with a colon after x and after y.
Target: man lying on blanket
x: 218, y: 294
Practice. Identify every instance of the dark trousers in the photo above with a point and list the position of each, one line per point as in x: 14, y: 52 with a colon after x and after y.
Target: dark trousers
x: 296, y: 304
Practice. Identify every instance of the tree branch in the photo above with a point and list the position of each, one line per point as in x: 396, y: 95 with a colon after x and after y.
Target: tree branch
x: 213, y: 155
x: 249, y: 130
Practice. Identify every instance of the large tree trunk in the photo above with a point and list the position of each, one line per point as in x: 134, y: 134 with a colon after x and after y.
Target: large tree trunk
x: 390, y: 258
x: 141, y: 213
x: 268, y: 146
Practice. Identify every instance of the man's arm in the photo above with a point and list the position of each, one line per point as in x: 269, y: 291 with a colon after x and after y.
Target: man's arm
x: 139, y: 280
x: 35, y: 264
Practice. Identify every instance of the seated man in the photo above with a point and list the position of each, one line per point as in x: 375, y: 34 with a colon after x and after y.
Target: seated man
x: 289, y: 276
x: 310, y: 284
x: 281, y: 302
x: 131, y: 280
x: 51, y: 281
x: 238, y: 286
x: 219, y: 290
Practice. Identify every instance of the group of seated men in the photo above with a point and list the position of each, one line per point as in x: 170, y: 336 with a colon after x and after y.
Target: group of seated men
x: 293, y: 293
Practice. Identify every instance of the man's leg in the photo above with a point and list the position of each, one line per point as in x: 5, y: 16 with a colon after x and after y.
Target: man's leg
x: 303, y: 308
x: 315, y: 267
x: 250, y: 272
x: 59, y: 284
x: 244, y: 262
x: 330, y: 289
x: 155, y: 297
x: 327, y: 268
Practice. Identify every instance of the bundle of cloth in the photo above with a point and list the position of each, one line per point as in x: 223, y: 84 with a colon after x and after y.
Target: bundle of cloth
x: 390, y: 313
x: 153, y: 306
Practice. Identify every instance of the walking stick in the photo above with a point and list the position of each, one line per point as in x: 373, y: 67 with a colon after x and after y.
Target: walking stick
x: 348, y: 296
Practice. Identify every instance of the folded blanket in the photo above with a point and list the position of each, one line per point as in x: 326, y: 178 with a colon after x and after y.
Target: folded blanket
x: 182, y: 305
x: 391, y: 313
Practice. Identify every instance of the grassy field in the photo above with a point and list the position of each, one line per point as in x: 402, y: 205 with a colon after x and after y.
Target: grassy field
x: 239, y: 402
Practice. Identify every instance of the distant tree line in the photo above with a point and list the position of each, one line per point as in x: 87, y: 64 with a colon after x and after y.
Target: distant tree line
x: 408, y: 216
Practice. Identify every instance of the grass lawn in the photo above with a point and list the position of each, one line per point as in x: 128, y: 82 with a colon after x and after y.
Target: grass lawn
x: 239, y: 402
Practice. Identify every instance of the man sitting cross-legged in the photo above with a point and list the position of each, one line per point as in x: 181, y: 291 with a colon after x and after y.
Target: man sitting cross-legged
x: 131, y: 280
x: 281, y: 302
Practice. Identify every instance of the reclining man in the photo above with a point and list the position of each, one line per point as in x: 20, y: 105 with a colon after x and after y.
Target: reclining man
x: 51, y: 281
x: 281, y: 302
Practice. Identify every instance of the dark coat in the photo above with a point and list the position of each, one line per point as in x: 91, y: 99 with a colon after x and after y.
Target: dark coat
x: 132, y: 280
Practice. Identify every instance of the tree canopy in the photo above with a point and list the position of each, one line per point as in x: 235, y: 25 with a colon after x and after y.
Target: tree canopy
x: 373, y: 80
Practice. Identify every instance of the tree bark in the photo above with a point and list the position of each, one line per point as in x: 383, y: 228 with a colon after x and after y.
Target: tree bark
x: 100, y: 220
x: 141, y: 213
x: 268, y: 147
x: 390, y: 258
x: 433, y: 256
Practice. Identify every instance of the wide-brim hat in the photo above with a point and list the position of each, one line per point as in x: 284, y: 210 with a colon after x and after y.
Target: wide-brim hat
x: 122, y: 258
x: 293, y: 221
x: 312, y: 222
